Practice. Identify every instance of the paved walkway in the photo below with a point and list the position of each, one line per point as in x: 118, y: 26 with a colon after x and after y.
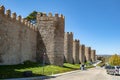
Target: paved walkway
x: 97, y: 62
x: 91, y: 74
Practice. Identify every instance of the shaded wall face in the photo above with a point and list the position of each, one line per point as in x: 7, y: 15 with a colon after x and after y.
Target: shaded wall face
x: 82, y: 54
x: 93, y: 55
x: 88, y: 53
x: 40, y: 49
x: 76, y: 52
x: 66, y: 42
x: 51, y: 30
x: 59, y: 42
x: 46, y: 31
x: 68, y: 47
x: 17, y: 42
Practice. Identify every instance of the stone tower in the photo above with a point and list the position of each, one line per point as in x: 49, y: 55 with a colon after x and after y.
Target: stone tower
x: 93, y: 55
x: 82, y: 53
x: 88, y: 53
x: 51, y: 31
x: 76, y: 51
x: 68, y: 47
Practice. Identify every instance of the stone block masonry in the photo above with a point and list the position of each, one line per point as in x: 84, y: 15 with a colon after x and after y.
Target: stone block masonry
x: 93, y: 55
x: 88, y: 53
x: 82, y: 54
x: 51, y: 29
x: 76, y: 51
x: 17, y: 39
x: 68, y: 47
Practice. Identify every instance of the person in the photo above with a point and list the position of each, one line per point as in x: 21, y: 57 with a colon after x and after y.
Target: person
x: 82, y: 66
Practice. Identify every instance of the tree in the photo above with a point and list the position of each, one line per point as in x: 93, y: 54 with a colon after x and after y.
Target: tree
x: 114, y: 60
x: 32, y: 17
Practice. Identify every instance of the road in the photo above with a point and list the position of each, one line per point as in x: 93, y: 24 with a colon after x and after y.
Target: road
x: 90, y: 74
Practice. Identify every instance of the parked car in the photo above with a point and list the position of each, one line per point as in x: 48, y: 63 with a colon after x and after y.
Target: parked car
x: 109, y: 69
x: 113, y: 70
x: 117, y: 70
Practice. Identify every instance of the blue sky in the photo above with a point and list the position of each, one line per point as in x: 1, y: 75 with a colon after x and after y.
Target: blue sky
x: 95, y: 22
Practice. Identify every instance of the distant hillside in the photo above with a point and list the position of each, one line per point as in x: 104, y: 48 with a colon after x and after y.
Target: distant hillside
x: 104, y: 55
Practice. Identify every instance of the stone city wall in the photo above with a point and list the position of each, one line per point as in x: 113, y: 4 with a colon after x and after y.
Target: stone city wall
x: 76, y: 51
x: 82, y: 53
x: 17, y: 39
x: 68, y: 47
x: 45, y: 41
x: 93, y: 55
x: 88, y: 53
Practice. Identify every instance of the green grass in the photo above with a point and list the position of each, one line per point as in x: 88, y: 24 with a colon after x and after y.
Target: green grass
x: 101, y: 64
x: 90, y: 67
x: 16, y: 71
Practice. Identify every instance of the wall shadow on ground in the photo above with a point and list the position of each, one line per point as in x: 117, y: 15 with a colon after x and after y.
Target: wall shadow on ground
x: 10, y: 71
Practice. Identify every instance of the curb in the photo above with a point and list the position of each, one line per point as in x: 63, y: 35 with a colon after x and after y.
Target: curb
x: 64, y: 73
x: 41, y: 77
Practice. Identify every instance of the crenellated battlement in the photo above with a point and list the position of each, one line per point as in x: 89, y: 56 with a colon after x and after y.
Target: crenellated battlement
x: 82, y: 47
x: 14, y: 17
x: 69, y: 33
x: 2, y: 10
x: 76, y: 40
x: 49, y: 17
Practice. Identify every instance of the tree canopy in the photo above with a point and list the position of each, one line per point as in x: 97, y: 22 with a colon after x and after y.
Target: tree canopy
x: 32, y: 17
x: 114, y: 60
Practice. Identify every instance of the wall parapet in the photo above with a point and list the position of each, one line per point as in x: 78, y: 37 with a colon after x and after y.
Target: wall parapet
x: 49, y: 17
x: 14, y: 17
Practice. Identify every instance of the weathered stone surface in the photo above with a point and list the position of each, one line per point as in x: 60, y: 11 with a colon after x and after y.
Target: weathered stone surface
x: 68, y: 47
x: 88, y: 53
x: 52, y: 37
x: 82, y: 54
x: 93, y: 55
x: 17, y: 42
x: 76, y: 51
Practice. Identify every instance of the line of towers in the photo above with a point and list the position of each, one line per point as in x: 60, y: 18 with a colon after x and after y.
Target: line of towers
x: 76, y: 53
